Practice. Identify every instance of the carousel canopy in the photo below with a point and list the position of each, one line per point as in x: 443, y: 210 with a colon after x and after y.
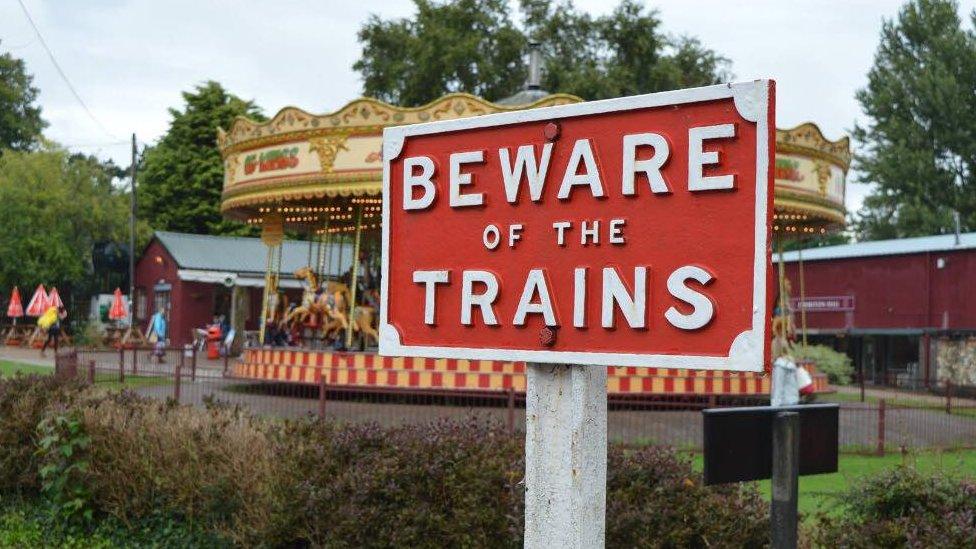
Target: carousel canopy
x: 305, y: 170
x: 310, y: 167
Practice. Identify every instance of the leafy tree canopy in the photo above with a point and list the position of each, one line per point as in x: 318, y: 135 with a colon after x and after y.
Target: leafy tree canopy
x: 55, y: 207
x: 918, y: 146
x: 474, y: 46
x: 20, y: 118
x: 181, y: 176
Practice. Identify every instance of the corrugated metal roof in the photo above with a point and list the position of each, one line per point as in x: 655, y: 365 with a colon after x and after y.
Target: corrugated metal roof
x: 899, y: 246
x: 242, y: 255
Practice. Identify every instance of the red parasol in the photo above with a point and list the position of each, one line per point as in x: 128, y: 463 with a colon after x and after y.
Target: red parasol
x: 118, y: 309
x: 16, y: 308
x: 54, y: 299
x: 38, y: 303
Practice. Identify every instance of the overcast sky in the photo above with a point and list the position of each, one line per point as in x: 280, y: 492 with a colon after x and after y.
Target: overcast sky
x: 129, y: 60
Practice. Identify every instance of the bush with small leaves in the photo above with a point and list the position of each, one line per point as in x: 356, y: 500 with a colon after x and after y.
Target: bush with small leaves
x: 901, y: 508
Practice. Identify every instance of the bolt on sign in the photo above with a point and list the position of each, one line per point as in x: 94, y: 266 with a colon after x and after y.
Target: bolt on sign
x: 631, y: 231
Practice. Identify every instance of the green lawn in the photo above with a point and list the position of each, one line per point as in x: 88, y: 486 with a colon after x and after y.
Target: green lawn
x: 816, y: 490
x: 106, y: 380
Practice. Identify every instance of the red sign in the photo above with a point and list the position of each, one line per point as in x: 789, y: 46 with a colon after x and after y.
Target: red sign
x: 632, y: 231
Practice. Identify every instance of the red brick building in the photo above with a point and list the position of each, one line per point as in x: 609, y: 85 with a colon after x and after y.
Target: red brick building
x: 198, y: 277
x: 890, y: 303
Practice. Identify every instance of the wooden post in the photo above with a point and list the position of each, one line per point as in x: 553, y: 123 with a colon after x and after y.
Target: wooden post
x: 122, y: 365
x: 91, y: 372
x: 135, y: 359
x: 565, y: 456
x: 355, y: 274
x: 881, y: 427
x: 786, y: 474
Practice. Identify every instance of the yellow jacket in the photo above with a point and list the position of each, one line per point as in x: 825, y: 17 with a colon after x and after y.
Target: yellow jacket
x: 48, y: 319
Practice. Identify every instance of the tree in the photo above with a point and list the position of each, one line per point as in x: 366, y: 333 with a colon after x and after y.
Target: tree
x: 55, y: 207
x: 20, y: 118
x: 464, y: 45
x: 918, y: 146
x: 182, y: 175
x: 473, y: 46
x: 623, y: 53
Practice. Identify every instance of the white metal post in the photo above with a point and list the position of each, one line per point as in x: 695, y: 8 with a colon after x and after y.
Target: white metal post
x: 565, y: 456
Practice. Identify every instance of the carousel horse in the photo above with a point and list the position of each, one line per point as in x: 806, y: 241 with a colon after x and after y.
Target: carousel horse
x: 337, y: 299
x: 312, y: 299
x: 364, y: 318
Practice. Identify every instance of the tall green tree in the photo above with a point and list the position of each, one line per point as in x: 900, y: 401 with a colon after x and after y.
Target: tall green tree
x: 182, y: 175
x: 462, y: 45
x: 55, y: 207
x: 623, y: 53
x: 476, y: 47
x: 918, y: 145
x: 20, y: 118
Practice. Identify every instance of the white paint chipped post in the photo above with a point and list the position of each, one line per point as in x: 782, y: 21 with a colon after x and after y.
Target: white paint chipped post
x: 565, y: 455
x: 627, y: 232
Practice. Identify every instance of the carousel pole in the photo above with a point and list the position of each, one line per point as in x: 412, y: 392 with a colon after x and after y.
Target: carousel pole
x: 781, y: 267
x: 272, y: 233
x: 311, y: 242
x: 803, y: 306
x: 355, y: 273
x: 327, y: 253
x: 265, y: 296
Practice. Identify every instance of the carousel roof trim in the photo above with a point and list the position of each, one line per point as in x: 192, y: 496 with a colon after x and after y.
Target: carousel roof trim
x: 807, y: 138
x: 367, y: 112
x: 238, y: 254
x: 874, y: 248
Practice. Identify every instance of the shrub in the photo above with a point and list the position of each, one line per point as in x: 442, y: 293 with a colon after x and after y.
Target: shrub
x: 901, y: 508
x: 836, y: 365
x: 24, y: 402
x: 655, y: 499
x: 445, y: 484
x: 209, y: 468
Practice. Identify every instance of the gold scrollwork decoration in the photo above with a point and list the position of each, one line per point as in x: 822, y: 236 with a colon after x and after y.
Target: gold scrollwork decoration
x: 327, y: 148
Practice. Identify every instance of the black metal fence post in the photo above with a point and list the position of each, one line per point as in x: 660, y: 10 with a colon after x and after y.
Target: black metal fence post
x: 193, y: 365
x: 322, y: 395
x: 122, y: 365
x: 511, y: 410
x: 785, y: 481
x: 135, y: 359
x: 177, y: 373
x: 949, y: 397
x: 881, y: 427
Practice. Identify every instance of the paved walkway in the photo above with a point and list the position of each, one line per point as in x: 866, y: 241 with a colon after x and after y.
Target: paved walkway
x: 27, y: 356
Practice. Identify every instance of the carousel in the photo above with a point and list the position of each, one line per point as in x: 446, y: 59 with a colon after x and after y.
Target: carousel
x: 318, y: 177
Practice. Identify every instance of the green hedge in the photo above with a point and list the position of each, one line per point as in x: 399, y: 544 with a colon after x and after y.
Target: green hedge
x: 902, y: 508
x: 221, y: 475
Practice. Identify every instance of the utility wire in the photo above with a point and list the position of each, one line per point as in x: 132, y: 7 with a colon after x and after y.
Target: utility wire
x: 64, y: 77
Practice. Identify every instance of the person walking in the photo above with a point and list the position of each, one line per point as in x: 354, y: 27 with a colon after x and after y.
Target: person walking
x: 51, y: 321
x: 157, y: 335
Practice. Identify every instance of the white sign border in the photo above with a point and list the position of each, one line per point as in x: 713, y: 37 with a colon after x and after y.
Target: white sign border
x: 746, y: 354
